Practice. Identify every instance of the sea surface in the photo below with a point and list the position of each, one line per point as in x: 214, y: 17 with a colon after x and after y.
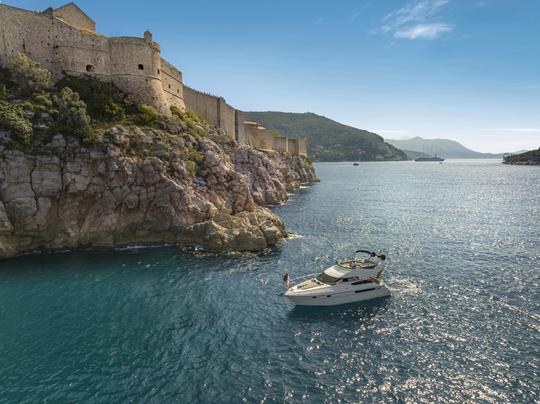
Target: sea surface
x: 169, y: 325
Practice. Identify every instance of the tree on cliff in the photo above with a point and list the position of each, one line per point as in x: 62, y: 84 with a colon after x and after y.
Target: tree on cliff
x: 28, y: 75
x: 71, y: 115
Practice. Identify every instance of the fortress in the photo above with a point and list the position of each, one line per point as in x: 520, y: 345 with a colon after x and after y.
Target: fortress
x: 64, y: 40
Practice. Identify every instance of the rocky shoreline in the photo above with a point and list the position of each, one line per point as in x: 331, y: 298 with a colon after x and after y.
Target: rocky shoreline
x: 142, y: 185
x: 529, y: 158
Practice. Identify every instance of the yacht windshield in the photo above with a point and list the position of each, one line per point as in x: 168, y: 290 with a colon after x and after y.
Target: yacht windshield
x: 324, y: 278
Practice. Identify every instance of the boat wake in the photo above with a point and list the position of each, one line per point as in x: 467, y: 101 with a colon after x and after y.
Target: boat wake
x: 403, y: 286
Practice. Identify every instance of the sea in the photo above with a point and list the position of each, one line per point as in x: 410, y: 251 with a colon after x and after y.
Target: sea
x: 171, y: 324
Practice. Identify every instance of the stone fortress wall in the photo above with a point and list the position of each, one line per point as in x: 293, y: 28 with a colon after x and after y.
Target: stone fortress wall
x: 64, y: 40
x: 261, y: 138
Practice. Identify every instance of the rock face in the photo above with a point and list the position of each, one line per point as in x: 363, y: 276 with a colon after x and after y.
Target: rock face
x: 143, y: 186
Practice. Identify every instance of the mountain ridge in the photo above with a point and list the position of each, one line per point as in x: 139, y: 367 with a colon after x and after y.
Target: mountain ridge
x: 446, y: 148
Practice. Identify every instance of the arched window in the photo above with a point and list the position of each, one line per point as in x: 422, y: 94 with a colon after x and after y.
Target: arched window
x: 89, y: 68
x: 141, y: 67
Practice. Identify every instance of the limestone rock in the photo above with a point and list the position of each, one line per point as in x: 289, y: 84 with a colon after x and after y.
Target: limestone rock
x: 145, y: 186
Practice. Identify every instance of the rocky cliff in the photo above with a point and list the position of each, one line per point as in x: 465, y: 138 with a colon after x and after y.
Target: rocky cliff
x: 143, y: 185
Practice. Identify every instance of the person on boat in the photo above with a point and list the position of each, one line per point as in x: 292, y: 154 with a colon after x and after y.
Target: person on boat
x: 286, y: 282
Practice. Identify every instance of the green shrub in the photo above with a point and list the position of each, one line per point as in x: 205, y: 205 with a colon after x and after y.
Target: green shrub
x: 147, y: 115
x: 5, y: 77
x: 13, y: 119
x: 195, y: 156
x: 28, y: 75
x: 114, y: 111
x: 193, y: 121
x: 175, y: 111
x: 191, y: 167
x: 6, y: 85
x: 42, y: 103
x: 70, y: 114
x: 104, y: 101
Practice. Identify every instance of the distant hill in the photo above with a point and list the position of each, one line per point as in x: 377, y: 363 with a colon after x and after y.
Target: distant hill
x: 446, y: 148
x: 411, y: 155
x: 531, y: 157
x: 329, y: 140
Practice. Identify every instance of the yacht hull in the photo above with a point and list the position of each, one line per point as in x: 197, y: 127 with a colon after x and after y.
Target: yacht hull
x: 338, y: 298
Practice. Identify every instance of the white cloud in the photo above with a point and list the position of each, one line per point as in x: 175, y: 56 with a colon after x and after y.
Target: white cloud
x: 413, y: 20
x: 425, y: 31
x: 480, y: 4
x: 353, y: 17
x: 517, y: 130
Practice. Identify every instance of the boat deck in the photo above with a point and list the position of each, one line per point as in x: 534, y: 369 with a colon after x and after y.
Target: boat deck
x: 360, y: 264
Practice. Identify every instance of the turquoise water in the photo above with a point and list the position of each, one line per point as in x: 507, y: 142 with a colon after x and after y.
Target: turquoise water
x: 166, y: 325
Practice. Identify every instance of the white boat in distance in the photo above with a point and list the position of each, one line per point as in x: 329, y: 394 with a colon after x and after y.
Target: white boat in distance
x: 344, y: 282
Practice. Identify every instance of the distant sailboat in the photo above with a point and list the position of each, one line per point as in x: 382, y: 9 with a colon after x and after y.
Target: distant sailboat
x: 429, y: 158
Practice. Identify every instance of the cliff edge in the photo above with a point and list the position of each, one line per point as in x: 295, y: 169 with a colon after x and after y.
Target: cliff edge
x: 144, y: 185
x: 82, y: 165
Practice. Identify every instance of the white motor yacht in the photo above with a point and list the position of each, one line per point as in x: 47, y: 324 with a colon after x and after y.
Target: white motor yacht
x: 344, y: 282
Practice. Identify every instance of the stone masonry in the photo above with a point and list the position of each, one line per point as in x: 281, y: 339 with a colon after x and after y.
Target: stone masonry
x: 64, y: 40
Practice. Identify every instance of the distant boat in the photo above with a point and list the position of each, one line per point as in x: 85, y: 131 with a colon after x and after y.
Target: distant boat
x: 434, y: 158
x: 356, y: 164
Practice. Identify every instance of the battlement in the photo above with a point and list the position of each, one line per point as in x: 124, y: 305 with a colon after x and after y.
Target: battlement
x: 64, y: 40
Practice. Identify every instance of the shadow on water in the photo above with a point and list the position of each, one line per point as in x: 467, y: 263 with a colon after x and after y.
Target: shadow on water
x: 356, y: 311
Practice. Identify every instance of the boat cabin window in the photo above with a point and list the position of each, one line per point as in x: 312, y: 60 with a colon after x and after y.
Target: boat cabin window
x: 351, y: 279
x: 324, y: 278
x: 362, y: 282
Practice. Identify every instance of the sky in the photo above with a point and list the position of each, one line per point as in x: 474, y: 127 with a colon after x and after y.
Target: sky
x: 467, y: 70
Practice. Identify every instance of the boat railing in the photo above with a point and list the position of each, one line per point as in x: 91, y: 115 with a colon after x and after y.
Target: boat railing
x: 299, y: 278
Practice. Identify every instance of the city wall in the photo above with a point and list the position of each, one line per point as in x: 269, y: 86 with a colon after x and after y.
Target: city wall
x: 133, y: 64
x: 65, y: 42
x: 205, y: 105
x: 214, y: 109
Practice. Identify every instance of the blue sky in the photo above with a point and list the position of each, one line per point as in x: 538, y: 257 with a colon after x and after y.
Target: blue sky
x: 468, y: 70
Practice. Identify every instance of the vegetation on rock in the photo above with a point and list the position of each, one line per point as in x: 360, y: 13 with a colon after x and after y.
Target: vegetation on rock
x: 531, y: 157
x: 28, y: 75
x: 148, y: 115
x: 194, y: 121
x: 83, y: 107
x: 104, y: 101
x: 71, y: 115
x: 14, y: 121
x: 81, y: 165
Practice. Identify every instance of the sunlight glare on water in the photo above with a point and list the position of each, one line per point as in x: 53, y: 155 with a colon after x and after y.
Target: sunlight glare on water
x: 164, y: 324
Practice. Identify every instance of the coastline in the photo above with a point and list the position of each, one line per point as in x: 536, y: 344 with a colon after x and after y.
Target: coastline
x: 205, y: 191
